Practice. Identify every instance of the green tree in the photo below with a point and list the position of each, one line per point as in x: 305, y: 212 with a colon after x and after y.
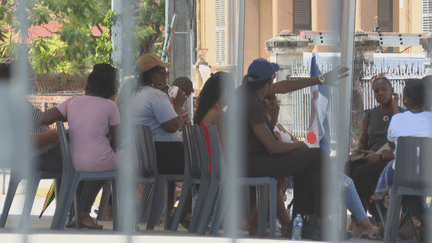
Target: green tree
x: 77, y: 18
x: 7, y: 37
x: 73, y: 48
x: 151, y: 25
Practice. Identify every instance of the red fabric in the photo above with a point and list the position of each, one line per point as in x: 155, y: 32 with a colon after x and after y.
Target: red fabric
x: 207, y: 140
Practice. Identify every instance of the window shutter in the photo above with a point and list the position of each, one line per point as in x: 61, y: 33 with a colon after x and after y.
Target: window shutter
x: 302, y: 15
x: 385, y: 15
x: 220, y: 31
x: 427, y: 16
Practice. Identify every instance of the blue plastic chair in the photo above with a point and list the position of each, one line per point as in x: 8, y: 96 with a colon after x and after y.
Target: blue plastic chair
x: 196, y: 172
x: 155, y: 183
x: 32, y: 186
x: 266, y: 194
x: 70, y: 180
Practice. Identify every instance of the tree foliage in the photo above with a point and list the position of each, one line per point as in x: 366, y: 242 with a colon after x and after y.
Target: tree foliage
x: 74, y: 48
x: 151, y: 25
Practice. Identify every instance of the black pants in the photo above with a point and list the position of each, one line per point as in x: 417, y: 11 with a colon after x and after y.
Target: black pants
x: 88, y: 193
x: 170, y: 157
x: 305, y: 165
x: 365, y: 177
x: 51, y: 160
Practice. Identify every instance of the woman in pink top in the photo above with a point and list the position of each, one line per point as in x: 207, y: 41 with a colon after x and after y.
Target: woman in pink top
x: 90, y: 118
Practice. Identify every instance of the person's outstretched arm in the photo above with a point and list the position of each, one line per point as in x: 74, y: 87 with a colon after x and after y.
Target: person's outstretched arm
x: 286, y: 86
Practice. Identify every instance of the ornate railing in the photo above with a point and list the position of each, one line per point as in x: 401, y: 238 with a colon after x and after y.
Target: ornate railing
x: 397, y: 69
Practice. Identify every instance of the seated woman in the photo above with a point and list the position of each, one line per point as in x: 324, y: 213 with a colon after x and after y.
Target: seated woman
x: 366, y: 170
x: 348, y: 191
x: 90, y: 118
x: 46, y: 152
x: 415, y: 122
x: 152, y: 107
x: 211, y: 103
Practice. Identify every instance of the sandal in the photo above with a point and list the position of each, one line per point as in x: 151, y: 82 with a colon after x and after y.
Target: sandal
x: 252, y: 230
x: 86, y: 222
x: 90, y: 223
x: 107, y: 216
x: 186, y: 221
x: 371, y: 235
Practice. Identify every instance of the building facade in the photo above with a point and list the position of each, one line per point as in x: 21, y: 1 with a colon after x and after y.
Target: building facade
x: 267, y: 18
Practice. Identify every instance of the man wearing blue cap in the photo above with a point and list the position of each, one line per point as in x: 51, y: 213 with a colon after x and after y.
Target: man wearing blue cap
x: 267, y: 156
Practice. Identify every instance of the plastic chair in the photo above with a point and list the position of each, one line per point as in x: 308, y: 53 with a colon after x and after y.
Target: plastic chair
x: 266, y: 194
x: 70, y: 180
x: 32, y: 186
x: 147, y: 165
x: 412, y: 177
x: 196, y: 172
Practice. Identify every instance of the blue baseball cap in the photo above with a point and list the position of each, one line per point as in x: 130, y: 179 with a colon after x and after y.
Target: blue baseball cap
x: 260, y: 71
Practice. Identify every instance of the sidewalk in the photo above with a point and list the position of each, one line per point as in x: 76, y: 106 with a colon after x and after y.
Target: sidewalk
x: 40, y: 228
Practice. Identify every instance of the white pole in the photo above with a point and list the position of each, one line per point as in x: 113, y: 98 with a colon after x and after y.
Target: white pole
x: 234, y: 132
x: 116, y: 6
x: 127, y: 168
x: 19, y: 87
x: 189, y: 107
x: 347, y: 60
x: 344, y: 97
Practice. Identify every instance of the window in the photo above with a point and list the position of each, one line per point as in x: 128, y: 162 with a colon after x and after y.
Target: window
x: 220, y: 31
x: 427, y: 16
x: 302, y: 15
x: 385, y: 15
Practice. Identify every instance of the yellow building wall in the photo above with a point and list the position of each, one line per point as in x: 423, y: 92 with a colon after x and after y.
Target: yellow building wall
x: 403, y: 17
x: 266, y: 26
x: 252, y: 25
x: 416, y: 11
x: 410, y: 21
x: 207, y: 38
x: 283, y: 15
x: 366, y: 11
x: 396, y: 15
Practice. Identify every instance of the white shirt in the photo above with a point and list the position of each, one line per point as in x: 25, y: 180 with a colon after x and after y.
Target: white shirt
x: 285, y: 137
x: 409, y: 124
x: 152, y: 107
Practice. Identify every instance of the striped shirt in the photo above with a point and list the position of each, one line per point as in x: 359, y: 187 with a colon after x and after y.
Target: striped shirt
x: 35, y: 127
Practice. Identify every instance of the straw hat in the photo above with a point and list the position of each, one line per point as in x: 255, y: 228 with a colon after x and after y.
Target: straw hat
x: 149, y: 61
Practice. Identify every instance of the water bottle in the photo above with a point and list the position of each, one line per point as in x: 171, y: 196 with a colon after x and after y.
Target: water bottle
x: 297, y: 227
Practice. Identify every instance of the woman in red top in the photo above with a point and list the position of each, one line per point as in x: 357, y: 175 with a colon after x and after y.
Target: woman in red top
x: 211, y: 103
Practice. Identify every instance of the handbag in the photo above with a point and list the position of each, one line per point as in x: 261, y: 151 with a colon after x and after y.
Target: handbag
x: 407, y: 231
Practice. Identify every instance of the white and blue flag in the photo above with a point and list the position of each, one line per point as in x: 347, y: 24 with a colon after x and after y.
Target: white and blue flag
x: 319, y: 132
